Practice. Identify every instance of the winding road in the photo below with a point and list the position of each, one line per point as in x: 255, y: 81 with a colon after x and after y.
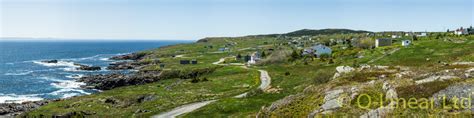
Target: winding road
x: 264, y: 85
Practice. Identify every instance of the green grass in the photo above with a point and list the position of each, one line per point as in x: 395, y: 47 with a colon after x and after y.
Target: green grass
x: 298, y: 80
x: 291, y: 77
x: 428, y: 52
x: 225, y: 82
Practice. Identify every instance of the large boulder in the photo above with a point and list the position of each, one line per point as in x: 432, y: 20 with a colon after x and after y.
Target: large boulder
x: 89, y: 68
x: 344, y: 69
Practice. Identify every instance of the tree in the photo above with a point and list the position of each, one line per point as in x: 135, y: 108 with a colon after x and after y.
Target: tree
x: 366, y: 43
x: 415, y: 38
x: 294, y: 55
x: 263, y: 54
x: 239, y: 56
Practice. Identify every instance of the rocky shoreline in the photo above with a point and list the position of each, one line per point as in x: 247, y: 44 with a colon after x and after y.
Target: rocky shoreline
x: 101, y: 81
x: 112, y: 80
x: 14, y: 109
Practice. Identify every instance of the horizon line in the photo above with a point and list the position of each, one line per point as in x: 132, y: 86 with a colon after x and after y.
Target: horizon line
x: 194, y: 39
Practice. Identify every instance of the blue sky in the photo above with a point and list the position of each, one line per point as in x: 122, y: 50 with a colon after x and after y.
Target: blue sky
x: 194, y: 19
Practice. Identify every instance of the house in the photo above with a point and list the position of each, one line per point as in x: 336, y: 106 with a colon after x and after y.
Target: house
x: 461, y: 31
x: 321, y: 49
x: 423, y: 34
x: 184, y: 62
x: 254, y: 58
x: 224, y: 49
x: 383, y: 42
x: 396, y: 36
x: 194, y: 61
x: 406, y: 43
x: 162, y: 65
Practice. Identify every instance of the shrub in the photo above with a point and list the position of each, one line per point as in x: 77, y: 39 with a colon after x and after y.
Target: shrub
x: 322, y: 77
x: 279, y: 56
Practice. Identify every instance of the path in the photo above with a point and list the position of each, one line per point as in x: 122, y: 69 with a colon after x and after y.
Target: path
x: 389, y: 53
x: 183, y: 109
x: 265, y: 80
x: 220, y: 61
x: 264, y: 85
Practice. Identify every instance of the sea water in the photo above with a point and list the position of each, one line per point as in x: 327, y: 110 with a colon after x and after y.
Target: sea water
x: 23, y: 77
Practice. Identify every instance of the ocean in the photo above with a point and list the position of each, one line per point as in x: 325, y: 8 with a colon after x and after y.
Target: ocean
x: 23, y: 77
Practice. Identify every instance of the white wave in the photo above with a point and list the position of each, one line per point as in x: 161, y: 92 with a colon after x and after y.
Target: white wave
x: 123, y: 53
x: 20, y: 73
x: 68, y: 90
x: 59, y: 64
x: 9, y: 63
x: 51, y: 79
x: 84, y: 58
x: 12, y: 98
x: 68, y: 95
x: 104, y: 59
x: 69, y: 84
x: 71, y: 69
x: 76, y: 76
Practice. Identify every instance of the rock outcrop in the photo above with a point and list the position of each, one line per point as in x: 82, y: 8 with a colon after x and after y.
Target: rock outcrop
x: 50, y: 61
x: 121, y: 66
x: 133, y: 56
x: 110, y: 81
x: 88, y: 68
x: 460, y: 91
x: 13, y: 109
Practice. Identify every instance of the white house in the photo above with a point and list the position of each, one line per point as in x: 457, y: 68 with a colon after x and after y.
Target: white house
x: 383, y: 42
x: 396, y: 36
x: 321, y: 49
x: 406, y: 42
x: 423, y: 34
x: 254, y: 58
x: 461, y: 31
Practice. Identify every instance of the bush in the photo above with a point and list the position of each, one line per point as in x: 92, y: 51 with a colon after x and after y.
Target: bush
x: 322, y: 77
x: 366, y: 43
x: 279, y: 56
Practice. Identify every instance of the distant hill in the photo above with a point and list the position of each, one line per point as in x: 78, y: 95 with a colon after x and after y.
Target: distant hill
x: 303, y: 32
x: 311, y: 32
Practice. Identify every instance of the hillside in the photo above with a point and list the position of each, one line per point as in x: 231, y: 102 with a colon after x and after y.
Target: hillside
x: 301, y: 85
x: 310, y: 32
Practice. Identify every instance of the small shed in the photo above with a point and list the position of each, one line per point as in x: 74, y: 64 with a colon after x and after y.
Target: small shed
x: 184, y: 62
x: 162, y: 65
x: 406, y: 42
x: 383, y: 42
x: 194, y: 61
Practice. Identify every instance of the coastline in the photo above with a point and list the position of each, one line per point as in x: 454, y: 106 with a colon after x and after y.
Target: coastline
x: 14, y: 108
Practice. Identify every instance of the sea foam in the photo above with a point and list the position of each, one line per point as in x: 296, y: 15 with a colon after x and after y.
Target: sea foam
x: 13, y: 98
x: 20, y: 73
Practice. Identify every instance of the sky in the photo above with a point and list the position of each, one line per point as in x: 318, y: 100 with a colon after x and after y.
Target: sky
x: 195, y: 19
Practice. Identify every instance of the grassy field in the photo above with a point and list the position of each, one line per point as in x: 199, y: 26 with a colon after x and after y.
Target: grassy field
x: 125, y: 101
x: 306, y: 78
